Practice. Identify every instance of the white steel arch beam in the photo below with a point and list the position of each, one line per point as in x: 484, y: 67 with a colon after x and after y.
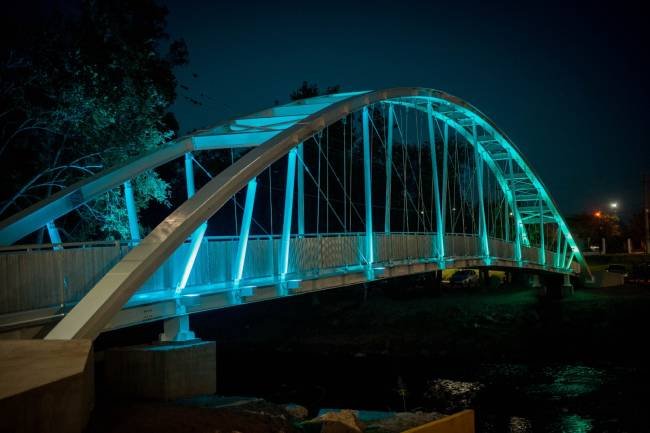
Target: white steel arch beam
x: 240, y: 132
x: 108, y: 296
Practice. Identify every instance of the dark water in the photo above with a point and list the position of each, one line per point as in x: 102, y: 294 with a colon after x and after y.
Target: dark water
x: 562, y: 367
x: 521, y: 398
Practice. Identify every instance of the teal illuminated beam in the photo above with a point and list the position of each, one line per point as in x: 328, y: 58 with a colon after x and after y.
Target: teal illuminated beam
x: 542, y: 246
x: 131, y: 212
x: 288, y: 207
x: 301, y: 191
x: 445, y: 156
x: 440, y: 230
x: 197, y: 236
x: 245, y: 230
x: 367, y: 181
x: 389, y: 166
x: 55, y: 239
x: 482, y: 227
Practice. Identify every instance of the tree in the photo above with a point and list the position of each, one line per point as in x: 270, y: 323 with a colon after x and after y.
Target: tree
x: 80, y: 92
x: 309, y: 90
x: 596, y: 226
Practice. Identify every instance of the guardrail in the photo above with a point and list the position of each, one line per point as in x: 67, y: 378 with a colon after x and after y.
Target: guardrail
x: 33, y: 277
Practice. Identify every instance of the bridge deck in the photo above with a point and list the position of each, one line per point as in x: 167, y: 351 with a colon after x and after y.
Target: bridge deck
x: 321, y: 262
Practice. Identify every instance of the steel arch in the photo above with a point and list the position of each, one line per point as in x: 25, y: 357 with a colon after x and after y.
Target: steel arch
x: 272, y: 133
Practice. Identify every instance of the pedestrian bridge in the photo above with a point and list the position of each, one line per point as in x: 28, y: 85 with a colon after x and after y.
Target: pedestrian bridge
x: 362, y: 186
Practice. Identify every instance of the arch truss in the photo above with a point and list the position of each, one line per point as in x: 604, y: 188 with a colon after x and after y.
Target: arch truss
x: 367, y: 182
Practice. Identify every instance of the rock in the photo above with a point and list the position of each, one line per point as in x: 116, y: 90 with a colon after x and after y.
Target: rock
x: 343, y: 421
x: 296, y: 411
x: 453, y: 395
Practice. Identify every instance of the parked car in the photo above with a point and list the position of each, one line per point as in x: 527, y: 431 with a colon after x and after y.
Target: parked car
x: 617, y: 269
x: 464, y: 278
x: 640, y: 273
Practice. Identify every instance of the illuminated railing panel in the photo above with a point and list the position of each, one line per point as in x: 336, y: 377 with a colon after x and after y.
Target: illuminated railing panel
x: 65, y: 276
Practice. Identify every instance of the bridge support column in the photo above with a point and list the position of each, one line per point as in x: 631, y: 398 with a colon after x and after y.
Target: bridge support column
x: 131, y: 212
x: 535, y: 281
x: 567, y: 287
x: 177, y: 328
x: 484, y: 277
x: 367, y: 180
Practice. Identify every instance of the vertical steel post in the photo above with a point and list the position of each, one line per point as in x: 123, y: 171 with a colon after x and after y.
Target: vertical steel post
x: 197, y: 236
x: 646, y: 211
x: 558, y: 247
x: 131, y: 212
x: 301, y: 191
x: 189, y: 175
x: 389, y: 167
x: 445, y: 157
x: 485, y: 247
x: 542, y: 240
x: 506, y: 217
x: 568, y: 263
x: 516, y: 218
x: 240, y: 259
x: 564, y: 248
x: 288, y: 208
x: 178, y: 328
x: 367, y: 180
x: 436, y: 188
x: 55, y: 238
x: 195, y: 245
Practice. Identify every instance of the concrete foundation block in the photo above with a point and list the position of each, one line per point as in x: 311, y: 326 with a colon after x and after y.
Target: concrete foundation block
x: 163, y: 371
x: 46, y: 386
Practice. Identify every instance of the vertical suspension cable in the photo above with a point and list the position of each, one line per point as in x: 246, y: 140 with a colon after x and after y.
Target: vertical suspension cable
x: 345, y: 180
x: 271, y: 197
x: 318, y: 187
x: 234, y: 196
x: 327, y: 179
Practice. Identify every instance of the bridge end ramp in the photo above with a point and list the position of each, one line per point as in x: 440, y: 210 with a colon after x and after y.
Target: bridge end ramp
x: 46, y: 385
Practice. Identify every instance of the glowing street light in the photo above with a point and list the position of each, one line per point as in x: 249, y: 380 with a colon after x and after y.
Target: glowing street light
x: 613, y: 205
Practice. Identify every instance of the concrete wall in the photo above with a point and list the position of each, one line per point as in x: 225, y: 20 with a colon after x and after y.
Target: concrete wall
x: 45, y: 386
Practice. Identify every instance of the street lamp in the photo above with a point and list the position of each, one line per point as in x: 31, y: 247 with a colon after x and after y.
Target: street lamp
x: 613, y: 205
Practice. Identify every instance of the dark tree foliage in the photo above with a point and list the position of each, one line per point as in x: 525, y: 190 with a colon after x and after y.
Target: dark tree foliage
x: 82, y: 90
x: 309, y: 90
x: 590, y: 228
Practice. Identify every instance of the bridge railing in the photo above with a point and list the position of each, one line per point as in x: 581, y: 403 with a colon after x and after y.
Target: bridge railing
x: 32, y: 277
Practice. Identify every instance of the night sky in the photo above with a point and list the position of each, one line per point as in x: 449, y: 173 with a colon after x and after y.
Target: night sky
x: 567, y: 83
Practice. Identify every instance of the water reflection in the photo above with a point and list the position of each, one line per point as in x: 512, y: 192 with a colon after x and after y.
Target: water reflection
x: 568, y: 381
x: 571, y: 424
x: 520, y: 425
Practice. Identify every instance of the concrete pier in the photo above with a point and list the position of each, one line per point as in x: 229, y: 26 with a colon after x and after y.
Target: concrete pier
x: 163, y: 371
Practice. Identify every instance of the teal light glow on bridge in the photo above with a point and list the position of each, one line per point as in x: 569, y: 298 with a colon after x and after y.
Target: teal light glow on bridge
x: 386, y: 183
